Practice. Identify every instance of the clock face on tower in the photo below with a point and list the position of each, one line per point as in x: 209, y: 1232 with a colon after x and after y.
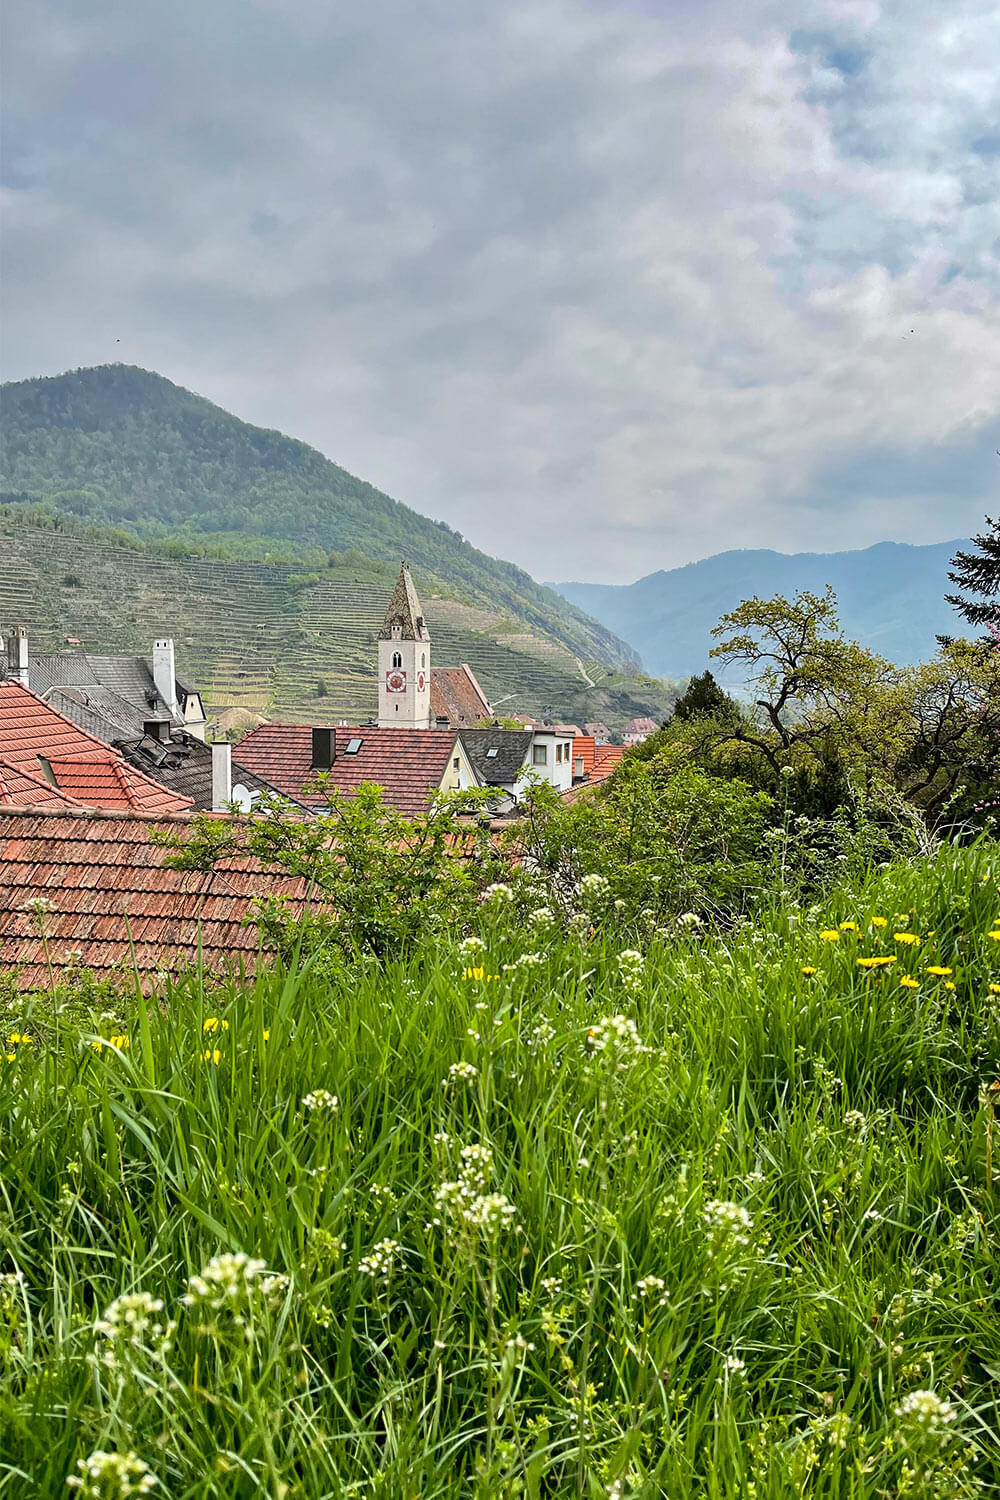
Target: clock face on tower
x: 395, y: 681
x: 421, y: 681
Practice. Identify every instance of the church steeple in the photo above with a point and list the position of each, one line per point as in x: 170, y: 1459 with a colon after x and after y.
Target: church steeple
x: 404, y: 689
x: 404, y: 619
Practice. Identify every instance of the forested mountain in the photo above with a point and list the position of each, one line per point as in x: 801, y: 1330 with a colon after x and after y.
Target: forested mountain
x: 891, y: 599
x: 120, y: 446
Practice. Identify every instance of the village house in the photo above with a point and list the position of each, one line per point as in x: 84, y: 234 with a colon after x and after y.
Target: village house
x: 144, y: 712
x: 637, y: 730
x: 92, y: 890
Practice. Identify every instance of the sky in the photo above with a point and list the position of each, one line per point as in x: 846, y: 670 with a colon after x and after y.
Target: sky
x: 607, y: 285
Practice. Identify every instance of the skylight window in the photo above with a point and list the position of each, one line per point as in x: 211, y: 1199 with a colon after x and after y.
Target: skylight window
x: 353, y: 746
x: 491, y: 753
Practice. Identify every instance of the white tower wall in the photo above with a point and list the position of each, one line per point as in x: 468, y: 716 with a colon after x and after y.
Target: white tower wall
x: 404, y: 684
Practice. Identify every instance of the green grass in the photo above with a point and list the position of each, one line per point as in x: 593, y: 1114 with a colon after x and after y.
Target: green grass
x: 776, y: 1351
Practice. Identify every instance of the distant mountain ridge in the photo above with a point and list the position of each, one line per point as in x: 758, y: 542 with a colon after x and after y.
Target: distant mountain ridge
x: 891, y: 599
x: 120, y: 446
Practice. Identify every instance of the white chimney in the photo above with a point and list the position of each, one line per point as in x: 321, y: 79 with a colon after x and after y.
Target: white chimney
x: 17, y: 654
x: 164, y: 676
x: 222, y: 775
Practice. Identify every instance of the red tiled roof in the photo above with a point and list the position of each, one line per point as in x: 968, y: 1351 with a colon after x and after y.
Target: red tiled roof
x: 457, y: 696
x: 598, y: 760
x: 88, y: 771
x: 18, y: 788
x: 409, y: 764
x: 110, y: 891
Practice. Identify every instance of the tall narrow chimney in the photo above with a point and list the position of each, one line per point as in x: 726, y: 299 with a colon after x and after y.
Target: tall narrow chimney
x: 164, y: 675
x: 17, y: 654
x: 324, y: 749
x: 222, y: 775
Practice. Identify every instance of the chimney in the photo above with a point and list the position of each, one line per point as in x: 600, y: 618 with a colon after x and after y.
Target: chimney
x: 164, y: 675
x: 157, y: 729
x: 222, y: 775
x: 17, y: 654
x: 324, y: 749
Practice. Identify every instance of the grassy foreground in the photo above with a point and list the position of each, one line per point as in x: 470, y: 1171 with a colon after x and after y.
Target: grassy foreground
x: 713, y: 1221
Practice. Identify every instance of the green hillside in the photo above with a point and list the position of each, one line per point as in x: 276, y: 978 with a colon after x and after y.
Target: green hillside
x: 277, y: 639
x: 123, y: 447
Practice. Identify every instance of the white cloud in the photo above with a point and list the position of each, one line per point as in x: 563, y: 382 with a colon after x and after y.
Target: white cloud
x: 606, y: 288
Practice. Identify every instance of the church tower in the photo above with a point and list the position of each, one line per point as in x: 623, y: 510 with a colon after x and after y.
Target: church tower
x: 404, y: 661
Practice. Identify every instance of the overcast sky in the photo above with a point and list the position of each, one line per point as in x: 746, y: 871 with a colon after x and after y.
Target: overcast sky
x: 609, y: 285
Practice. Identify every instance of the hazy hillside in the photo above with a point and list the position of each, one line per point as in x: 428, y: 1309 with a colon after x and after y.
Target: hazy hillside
x: 891, y: 599
x: 282, y: 641
x: 117, y: 445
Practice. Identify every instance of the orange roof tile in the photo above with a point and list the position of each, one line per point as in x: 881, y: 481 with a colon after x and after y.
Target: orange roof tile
x: 85, y: 769
x: 111, y: 892
x: 409, y: 764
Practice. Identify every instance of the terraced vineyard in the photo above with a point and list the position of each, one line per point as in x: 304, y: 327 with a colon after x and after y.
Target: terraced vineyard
x: 265, y: 637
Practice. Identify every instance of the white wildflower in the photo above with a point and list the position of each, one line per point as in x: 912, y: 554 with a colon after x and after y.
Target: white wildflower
x: 616, y: 1040
x: 112, y: 1476
x: 322, y: 1101
x: 541, y: 1036
x: 630, y: 968
x: 689, y: 919
x: 926, y: 1410
x: 526, y: 961
x: 380, y: 1262
x: 594, y: 885
x: 652, y: 1289
x: 461, y: 1074
x: 498, y: 891
x: 464, y: 1206
x: 132, y: 1325
x: 237, y: 1285
x: 542, y: 919
x: 734, y: 1366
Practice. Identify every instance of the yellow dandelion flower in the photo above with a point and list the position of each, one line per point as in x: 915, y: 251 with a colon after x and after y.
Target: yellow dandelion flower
x: 807, y: 970
x: 875, y: 963
x: 937, y: 969
x: 848, y: 926
x: 909, y: 983
x: 121, y: 1042
x: 879, y: 922
x: 266, y: 1035
x: 830, y: 935
x: 212, y: 1055
x: 909, y: 938
x: 213, y: 1023
x: 995, y: 989
x: 995, y: 936
x: 12, y: 1057
x: 948, y: 985
x: 473, y: 973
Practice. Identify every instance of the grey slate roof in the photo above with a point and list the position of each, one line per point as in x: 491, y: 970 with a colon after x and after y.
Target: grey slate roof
x: 104, y: 713
x: 184, y: 766
x: 511, y: 746
x: 111, y: 684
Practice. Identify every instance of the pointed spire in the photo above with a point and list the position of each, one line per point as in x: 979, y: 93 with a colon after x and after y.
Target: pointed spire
x: 404, y: 619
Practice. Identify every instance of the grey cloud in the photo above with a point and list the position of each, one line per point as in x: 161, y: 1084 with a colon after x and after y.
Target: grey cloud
x: 606, y: 286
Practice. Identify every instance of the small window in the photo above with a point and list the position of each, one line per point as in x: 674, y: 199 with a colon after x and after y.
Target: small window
x: 492, y: 753
x: 539, y: 755
x: 456, y: 762
x: 397, y: 659
x: 353, y: 746
x: 578, y: 766
x: 423, y: 658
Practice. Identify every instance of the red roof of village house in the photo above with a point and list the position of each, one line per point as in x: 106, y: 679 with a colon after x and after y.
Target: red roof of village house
x: 111, y: 894
x: 598, y: 760
x: 409, y: 764
x: 18, y: 788
x: 87, y: 771
x: 457, y: 696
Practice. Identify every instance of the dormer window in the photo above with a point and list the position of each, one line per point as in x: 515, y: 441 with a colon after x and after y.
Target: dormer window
x: 397, y: 658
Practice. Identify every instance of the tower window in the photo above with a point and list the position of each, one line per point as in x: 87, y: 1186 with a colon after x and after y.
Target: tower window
x: 423, y: 658
x: 397, y: 659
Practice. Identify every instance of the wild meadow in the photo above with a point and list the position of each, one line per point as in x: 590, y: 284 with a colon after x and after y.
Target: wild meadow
x: 530, y: 1212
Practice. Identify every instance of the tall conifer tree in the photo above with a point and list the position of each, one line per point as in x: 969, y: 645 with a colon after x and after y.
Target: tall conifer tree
x: 978, y: 573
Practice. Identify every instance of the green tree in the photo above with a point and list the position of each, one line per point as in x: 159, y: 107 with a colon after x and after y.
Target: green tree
x: 978, y: 573
x: 702, y: 698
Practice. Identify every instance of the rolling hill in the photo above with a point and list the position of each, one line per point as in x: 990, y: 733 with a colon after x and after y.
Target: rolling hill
x: 122, y: 447
x: 277, y: 640
x: 891, y: 599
